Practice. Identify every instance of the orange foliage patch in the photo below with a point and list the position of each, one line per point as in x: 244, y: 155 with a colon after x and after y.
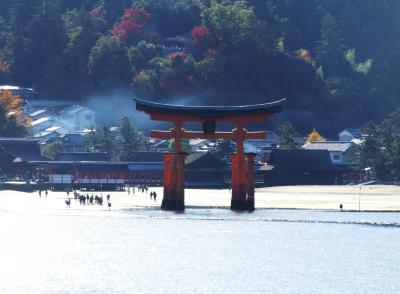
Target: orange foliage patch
x: 12, y: 104
x: 314, y: 136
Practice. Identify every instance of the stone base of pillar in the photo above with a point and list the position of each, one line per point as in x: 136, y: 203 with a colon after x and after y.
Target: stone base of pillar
x: 250, y: 204
x: 173, y: 205
x: 238, y: 204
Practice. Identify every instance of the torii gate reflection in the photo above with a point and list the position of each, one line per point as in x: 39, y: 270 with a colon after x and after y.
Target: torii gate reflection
x: 242, y: 163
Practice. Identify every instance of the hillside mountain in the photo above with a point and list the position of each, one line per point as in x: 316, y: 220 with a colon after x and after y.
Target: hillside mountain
x: 338, y: 60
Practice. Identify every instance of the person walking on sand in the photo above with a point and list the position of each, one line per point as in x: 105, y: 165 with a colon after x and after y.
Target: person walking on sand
x: 155, y: 196
x: 40, y: 193
x: 46, y: 193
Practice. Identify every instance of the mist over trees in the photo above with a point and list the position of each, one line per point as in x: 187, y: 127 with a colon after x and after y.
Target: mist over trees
x: 338, y: 59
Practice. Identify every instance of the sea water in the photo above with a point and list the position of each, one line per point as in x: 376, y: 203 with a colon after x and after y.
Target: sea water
x: 203, y: 250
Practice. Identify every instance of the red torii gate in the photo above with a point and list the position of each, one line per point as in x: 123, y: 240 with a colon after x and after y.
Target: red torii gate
x: 242, y: 164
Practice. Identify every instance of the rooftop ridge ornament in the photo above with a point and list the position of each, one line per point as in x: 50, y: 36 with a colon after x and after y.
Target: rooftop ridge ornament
x: 242, y: 164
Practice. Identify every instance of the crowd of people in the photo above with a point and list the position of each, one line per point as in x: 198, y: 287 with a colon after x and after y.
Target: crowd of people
x: 94, y: 199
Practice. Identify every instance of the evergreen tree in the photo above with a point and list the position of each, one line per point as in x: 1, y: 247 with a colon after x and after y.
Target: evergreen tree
x: 132, y: 140
x: 106, y: 142
x: 50, y: 151
x: 288, y: 137
x: 330, y: 52
x: 109, y: 63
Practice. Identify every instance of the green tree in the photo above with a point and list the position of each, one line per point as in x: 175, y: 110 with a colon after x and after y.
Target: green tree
x: 106, y: 142
x: 185, y: 145
x: 235, y: 24
x: 83, y: 32
x: 51, y: 150
x: 288, y: 137
x: 91, y: 140
x: 109, y: 63
x: 223, y: 149
x: 171, y: 17
x: 330, y: 52
x: 131, y: 140
x: 371, y: 153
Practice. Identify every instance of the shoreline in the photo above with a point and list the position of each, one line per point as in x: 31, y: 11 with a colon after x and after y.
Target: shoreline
x: 376, y: 198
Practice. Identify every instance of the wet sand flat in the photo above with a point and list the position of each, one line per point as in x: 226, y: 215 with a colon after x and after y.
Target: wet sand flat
x: 367, y: 198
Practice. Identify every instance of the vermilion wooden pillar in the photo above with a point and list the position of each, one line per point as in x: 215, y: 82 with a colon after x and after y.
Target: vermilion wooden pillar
x: 239, y: 166
x: 250, y: 181
x: 174, y: 181
x: 238, y: 200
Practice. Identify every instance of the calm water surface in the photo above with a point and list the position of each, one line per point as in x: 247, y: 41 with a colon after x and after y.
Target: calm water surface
x: 200, y: 251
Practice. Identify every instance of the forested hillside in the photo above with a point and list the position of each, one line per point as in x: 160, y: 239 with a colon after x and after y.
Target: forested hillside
x: 339, y: 59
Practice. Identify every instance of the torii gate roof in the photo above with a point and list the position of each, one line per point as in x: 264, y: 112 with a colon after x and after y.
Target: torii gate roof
x: 160, y: 110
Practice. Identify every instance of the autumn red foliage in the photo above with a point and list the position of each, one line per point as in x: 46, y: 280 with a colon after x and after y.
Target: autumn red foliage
x: 201, y: 37
x: 131, y: 25
x: 178, y: 58
x: 177, y: 54
x: 179, y: 77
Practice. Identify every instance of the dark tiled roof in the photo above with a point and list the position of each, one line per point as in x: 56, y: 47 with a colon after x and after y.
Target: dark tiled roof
x: 204, y: 160
x: 5, y: 157
x: 145, y: 156
x: 301, y: 160
x: 82, y: 156
x: 73, y: 140
x: 146, y: 166
x: 102, y: 166
x: 92, y: 166
x: 354, y: 132
x: 25, y: 149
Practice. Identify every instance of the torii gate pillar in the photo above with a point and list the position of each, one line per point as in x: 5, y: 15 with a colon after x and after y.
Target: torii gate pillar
x: 174, y: 181
x: 242, y: 182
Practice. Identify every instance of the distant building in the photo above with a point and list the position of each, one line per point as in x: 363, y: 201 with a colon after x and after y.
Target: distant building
x: 339, y: 152
x: 45, y: 135
x: 51, y: 106
x: 24, y: 149
x: 159, y: 146
x: 43, y: 112
x: 305, y: 167
x: 42, y: 124
x: 199, y: 145
x: 73, y: 142
x: 203, y: 169
x: 147, y: 156
x: 72, y: 118
x: 262, y: 147
x: 16, y: 153
x: 82, y: 156
x: 347, y: 135
x: 76, y: 118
